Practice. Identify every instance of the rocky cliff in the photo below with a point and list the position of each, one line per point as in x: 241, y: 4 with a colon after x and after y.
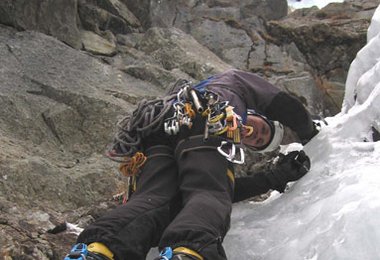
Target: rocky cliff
x: 70, y: 68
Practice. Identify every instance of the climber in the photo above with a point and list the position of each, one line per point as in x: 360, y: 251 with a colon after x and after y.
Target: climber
x: 179, y: 153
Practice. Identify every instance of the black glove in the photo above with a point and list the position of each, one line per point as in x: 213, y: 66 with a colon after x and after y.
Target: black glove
x: 290, y: 167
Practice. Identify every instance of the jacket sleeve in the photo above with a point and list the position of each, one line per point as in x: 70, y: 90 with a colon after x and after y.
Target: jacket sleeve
x: 275, y: 104
x: 290, y: 112
x: 256, y: 93
x: 248, y: 187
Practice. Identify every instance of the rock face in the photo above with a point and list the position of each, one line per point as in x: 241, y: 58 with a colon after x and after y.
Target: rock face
x: 57, y: 18
x: 69, y: 69
x: 327, y: 39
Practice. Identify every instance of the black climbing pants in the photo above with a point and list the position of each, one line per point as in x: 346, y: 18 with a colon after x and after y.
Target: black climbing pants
x: 183, y: 198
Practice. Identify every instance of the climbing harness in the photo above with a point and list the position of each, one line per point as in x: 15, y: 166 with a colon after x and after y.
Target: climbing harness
x: 221, y: 120
x: 186, y: 100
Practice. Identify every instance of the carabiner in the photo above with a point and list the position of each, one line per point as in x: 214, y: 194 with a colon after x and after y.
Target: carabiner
x: 171, y: 126
x: 242, y: 157
x: 231, y: 156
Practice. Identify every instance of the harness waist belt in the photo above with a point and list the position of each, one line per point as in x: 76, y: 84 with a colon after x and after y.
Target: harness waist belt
x: 196, y: 142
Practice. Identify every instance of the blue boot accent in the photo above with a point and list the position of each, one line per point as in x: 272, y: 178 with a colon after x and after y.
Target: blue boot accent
x: 166, y: 254
x: 78, y: 252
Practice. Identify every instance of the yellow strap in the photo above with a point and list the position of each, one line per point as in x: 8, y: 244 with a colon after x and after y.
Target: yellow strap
x: 237, y: 136
x: 222, y: 131
x: 206, y: 112
x: 216, y: 118
x: 231, y: 175
x: 100, y: 248
x: 188, y: 251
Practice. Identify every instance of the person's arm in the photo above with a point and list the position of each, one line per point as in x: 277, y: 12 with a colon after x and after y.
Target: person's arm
x: 249, y: 91
x: 290, y: 112
x: 290, y: 167
x: 248, y: 187
x: 270, y: 101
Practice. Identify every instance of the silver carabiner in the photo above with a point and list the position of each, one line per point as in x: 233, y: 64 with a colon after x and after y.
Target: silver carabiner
x: 229, y: 156
x: 186, y: 121
x: 242, y: 157
x: 232, y: 154
x: 171, y: 125
x: 215, y: 127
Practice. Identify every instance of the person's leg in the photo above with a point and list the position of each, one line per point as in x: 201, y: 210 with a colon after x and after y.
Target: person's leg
x: 130, y: 230
x: 206, y: 186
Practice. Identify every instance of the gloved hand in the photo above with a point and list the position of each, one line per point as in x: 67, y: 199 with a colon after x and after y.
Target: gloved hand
x: 290, y: 167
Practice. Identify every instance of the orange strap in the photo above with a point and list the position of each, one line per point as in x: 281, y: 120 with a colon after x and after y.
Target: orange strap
x: 132, y: 166
x: 233, y: 123
x: 249, y: 128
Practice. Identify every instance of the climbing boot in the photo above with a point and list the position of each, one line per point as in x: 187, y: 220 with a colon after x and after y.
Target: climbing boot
x: 183, y: 257
x: 184, y: 253
x: 179, y: 253
x: 94, y: 251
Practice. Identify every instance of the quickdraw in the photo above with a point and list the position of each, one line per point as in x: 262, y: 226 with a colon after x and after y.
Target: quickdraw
x: 183, y: 110
x: 129, y: 168
x: 221, y: 120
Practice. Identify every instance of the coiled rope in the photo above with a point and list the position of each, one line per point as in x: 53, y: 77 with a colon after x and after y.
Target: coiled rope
x: 147, y: 118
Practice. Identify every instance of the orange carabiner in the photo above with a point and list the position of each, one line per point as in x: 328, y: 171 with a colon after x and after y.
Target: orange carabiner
x: 189, y: 110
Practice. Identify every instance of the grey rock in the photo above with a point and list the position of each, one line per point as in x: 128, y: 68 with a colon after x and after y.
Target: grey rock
x: 129, y: 40
x: 106, y: 15
x: 328, y: 40
x: 174, y: 49
x: 304, y: 87
x: 231, y: 44
x: 57, y: 18
x: 268, y: 10
x: 97, y: 45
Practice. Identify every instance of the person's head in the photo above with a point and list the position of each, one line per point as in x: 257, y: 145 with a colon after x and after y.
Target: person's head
x: 266, y: 135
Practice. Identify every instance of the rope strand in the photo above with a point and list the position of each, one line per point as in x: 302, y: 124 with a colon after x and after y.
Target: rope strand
x: 147, y: 118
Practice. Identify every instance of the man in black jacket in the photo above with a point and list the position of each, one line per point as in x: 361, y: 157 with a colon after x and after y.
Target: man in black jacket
x: 179, y: 152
